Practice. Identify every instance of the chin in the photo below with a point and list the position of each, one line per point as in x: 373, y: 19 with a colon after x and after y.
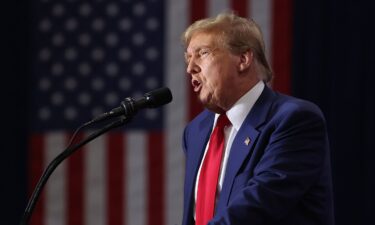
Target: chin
x: 205, y: 100
x: 212, y: 107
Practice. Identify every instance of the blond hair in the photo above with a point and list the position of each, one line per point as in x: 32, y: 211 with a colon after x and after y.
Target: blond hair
x: 237, y: 34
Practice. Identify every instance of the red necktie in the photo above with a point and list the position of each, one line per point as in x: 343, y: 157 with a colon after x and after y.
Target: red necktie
x: 209, y: 174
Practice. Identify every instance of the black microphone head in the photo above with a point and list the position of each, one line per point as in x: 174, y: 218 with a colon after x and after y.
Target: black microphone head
x: 158, y: 97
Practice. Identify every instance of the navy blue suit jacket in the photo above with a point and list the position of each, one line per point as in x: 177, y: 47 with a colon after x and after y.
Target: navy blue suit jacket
x: 281, y: 177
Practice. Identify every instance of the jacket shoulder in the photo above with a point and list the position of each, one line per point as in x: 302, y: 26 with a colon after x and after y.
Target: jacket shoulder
x: 285, y: 105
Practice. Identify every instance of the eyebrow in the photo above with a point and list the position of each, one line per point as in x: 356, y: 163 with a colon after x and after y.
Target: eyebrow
x: 201, y: 47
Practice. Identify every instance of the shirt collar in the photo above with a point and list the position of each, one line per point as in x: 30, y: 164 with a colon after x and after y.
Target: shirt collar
x: 242, y: 107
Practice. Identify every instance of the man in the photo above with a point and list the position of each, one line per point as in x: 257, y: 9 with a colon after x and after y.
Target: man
x: 253, y: 156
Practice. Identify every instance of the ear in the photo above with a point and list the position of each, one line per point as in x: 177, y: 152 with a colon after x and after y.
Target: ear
x: 246, y: 59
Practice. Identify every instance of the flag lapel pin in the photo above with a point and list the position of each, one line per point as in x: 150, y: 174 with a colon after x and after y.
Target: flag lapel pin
x: 247, y: 141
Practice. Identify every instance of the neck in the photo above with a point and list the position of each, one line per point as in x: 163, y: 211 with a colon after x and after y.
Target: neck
x: 239, y: 91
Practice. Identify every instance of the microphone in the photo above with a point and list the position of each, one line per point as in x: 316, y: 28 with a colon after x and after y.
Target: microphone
x: 130, y: 106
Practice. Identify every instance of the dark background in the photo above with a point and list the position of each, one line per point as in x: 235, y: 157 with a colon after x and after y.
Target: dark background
x: 333, y: 66
x: 14, y: 114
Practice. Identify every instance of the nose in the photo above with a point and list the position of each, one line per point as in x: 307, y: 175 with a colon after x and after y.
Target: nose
x: 192, y: 67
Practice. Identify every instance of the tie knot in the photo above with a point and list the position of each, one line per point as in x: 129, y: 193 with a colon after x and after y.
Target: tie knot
x: 222, y: 121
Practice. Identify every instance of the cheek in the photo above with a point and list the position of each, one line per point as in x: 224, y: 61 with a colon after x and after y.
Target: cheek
x: 218, y: 76
x: 211, y: 73
x: 210, y: 80
x: 215, y: 74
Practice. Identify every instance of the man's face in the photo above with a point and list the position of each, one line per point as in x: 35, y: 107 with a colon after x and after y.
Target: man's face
x: 213, y: 71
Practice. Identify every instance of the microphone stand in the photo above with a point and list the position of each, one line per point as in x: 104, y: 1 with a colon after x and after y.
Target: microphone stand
x: 61, y: 157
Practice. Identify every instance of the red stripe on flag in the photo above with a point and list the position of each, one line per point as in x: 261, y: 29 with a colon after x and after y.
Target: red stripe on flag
x: 156, y: 181
x: 198, y: 10
x: 75, y: 185
x: 115, y: 191
x: 282, y: 45
x: 36, y: 162
x: 240, y: 7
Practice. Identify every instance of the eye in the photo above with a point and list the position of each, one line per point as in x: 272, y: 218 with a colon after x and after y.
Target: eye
x: 203, y: 52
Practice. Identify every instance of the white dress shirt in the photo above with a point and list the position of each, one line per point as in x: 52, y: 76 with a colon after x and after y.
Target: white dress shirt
x: 236, y: 116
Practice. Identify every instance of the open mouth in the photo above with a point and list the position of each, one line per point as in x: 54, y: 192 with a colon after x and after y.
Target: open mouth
x: 196, y: 85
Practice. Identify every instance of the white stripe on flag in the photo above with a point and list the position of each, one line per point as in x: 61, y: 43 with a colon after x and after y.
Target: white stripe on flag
x: 55, y: 209
x: 261, y: 12
x: 136, y: 178
x: 217, y: 6
x: 176, y: 112
x: 95, y: 182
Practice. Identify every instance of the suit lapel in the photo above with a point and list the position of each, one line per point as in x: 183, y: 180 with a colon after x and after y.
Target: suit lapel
x: 199, y: 144
x: 195, y: 154
x: 244, y: 142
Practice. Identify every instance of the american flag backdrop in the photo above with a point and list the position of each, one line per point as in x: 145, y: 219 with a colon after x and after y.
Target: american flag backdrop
x: 86, y: 57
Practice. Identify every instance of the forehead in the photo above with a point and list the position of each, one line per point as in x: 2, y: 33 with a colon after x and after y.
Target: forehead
x: 201, y: 40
